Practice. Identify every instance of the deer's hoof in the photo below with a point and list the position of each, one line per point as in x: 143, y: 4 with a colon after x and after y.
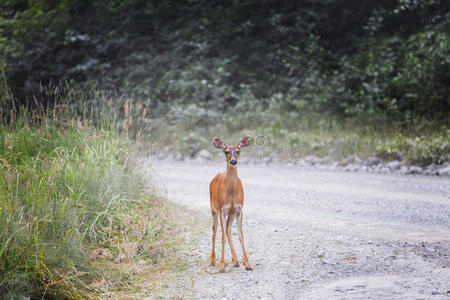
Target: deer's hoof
x: 249, y: 268
x: 222, y: 271
x: 236, y: 265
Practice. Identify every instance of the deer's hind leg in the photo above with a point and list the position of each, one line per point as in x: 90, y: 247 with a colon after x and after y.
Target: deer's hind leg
x: 222, y: 257
x: 230, y: 221
x: 248, y: 267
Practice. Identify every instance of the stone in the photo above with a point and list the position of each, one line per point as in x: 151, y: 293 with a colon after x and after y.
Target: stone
x: 352, y: 167
x: 313, y: 160
x: 351, y: 159
x: 414, y: 170
x: 372, y: 161
x: 394, y: 165
x: 432, y: 169
x: 444, y: 171
x: 384, y: 170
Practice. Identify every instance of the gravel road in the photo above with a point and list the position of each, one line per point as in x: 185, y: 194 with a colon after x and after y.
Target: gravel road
x: 314, y: 234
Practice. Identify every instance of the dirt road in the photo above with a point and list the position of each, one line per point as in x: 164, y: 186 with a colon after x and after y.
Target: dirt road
x: 323, y: 235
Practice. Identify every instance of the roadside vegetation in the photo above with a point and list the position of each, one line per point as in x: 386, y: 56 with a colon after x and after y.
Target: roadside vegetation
x: 289, y: 138
x: 78, y: 220
x: 317, y: 77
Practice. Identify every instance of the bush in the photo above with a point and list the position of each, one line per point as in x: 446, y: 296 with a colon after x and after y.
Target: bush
x: 378, y: 59
x: 419, y: 150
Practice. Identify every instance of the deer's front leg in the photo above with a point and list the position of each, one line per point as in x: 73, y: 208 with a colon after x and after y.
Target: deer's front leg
x: 222, y: 258
x: 214, y: 230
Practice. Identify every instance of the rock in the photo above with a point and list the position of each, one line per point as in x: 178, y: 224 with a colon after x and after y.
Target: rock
x: 394, y: 165
x: 204, y: 154
x: 403, y: 170
x: 432, y: 169
x: 444, y: 171
x: 414, y: 170
x: 384, y: 170
x: 351, y: 159
x: 352, y: 167
x: 313, y: 160
x: 372, y: 161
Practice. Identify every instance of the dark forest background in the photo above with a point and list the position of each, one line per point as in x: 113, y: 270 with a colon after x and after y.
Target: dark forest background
x: 379, y: 59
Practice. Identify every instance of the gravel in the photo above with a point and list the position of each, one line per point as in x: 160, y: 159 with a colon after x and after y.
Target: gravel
x: 320, y: 234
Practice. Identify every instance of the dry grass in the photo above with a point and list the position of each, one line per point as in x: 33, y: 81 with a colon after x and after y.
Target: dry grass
x: 147, y: 255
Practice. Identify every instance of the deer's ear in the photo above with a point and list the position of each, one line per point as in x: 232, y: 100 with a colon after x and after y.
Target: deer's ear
x: 218, y: 143
x: 245, y: 141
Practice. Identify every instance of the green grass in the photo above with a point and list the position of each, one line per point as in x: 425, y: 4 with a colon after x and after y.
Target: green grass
x: 290, y: 136
x: 68, y: 187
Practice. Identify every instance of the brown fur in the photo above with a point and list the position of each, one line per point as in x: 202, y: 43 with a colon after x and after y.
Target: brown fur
x: 227, y: 201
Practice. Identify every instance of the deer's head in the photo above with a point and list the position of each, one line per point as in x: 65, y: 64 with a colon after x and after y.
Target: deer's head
x: 231, y: 152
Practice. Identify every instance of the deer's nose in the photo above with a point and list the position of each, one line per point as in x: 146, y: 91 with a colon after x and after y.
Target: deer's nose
x: 233, y: 162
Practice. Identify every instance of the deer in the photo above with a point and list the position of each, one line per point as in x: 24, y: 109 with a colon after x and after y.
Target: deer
x: 227, y: 201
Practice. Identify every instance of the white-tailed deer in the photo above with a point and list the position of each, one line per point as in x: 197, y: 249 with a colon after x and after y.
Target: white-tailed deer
x: 227, y: 200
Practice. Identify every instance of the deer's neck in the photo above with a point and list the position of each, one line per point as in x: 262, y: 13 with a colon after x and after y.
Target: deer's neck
x: 231, y: 178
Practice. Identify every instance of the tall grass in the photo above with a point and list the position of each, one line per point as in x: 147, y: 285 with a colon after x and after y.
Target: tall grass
x: 59, y: 188
x: 68, y: 187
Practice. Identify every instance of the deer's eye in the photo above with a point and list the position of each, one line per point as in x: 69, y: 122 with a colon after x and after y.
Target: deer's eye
x: 227, y: 152
x: 238, y: 152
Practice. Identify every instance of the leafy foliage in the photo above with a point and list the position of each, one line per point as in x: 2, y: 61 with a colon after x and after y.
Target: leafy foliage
x: 386, y: 59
